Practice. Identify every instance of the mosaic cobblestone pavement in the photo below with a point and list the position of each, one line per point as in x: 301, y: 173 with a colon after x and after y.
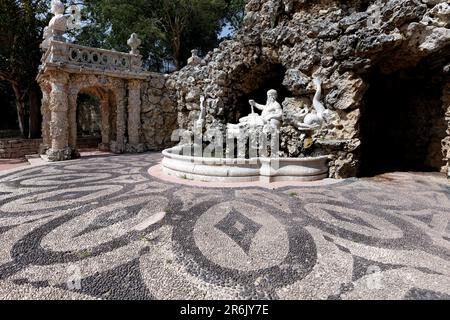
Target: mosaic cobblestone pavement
x: 102, y: 228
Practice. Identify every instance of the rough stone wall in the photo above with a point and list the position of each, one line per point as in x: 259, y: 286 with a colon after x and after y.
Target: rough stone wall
x: 5, y: 134
x: 342, y: 42
x: 19, y: 148
x: 158, y: 111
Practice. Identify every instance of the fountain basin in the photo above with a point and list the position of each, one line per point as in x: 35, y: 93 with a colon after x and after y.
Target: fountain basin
x: 243, y: 170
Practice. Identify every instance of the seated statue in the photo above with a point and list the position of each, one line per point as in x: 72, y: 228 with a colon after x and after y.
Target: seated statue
x: 270, y: 118
x: 272, y: 112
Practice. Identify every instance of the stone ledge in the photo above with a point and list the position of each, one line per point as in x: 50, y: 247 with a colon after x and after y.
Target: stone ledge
x: 19, y: 148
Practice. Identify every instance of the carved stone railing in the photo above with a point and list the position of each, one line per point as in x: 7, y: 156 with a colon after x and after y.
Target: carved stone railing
x: 76, y: 58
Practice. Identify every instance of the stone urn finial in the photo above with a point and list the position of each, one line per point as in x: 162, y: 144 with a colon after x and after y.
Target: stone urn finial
x: 134, y: 42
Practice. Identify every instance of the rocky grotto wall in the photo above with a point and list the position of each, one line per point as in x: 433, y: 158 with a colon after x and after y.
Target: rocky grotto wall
x: 283, y: 44
x: 158, y: 111
x: 446, y: 141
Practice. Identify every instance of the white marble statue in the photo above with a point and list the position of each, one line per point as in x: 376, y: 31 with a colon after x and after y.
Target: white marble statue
x: 314, y: 119
x: 270, y: 118
x: 57, y: 25
x: 194, y: 59
x: 60, y: 22
x: 202, y: 117
x: 272, y: 112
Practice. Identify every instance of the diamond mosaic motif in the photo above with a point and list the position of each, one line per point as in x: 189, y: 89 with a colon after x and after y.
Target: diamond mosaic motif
x: 239, y: 228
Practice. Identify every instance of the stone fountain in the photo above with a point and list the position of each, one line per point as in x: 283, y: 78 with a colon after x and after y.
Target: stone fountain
x: 350, y: 48
x: 249, y: 150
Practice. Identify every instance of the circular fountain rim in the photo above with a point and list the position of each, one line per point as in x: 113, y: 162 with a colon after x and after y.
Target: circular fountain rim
x: 203, y: 160
x: 239, y: 170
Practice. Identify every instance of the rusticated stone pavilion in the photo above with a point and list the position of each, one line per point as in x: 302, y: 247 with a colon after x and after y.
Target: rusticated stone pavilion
x: 137, y: 109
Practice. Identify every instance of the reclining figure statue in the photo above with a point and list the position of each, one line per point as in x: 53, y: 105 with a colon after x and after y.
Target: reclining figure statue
x: 271, y: 116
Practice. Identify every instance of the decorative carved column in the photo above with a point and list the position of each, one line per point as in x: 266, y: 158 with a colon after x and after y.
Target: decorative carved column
x: 104, y: 109
x: 119, y: 145
x: 134, y: 116
x: 59, y: 124
x: 46, y: 89
x: 72, y: 118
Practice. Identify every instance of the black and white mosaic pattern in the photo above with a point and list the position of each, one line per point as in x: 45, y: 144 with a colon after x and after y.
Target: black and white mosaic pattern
x: 102, y: 228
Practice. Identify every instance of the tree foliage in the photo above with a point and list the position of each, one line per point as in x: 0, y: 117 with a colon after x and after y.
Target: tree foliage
x: 21, y: 27
x: 168, y: 28
x: 235, y: 13
x: 109, y: 24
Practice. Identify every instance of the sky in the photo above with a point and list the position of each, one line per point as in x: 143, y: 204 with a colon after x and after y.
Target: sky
x: 226, y: 31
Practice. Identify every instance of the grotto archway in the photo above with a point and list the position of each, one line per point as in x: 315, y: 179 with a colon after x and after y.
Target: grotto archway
x: 252, y: 84
x: 403, y: 122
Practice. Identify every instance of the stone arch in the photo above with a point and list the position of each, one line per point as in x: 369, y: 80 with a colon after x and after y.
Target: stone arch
x: 253, y: 82
x: 107, y: 109
x: 88, y: 115
x: 115, y: 77
x: 231, y: 84
x: 112, y: 93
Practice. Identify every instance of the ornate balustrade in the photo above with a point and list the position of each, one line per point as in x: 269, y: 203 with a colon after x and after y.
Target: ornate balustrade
x: 76, y: 58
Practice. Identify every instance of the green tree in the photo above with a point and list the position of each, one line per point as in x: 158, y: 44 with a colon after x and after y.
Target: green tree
x: 168, y: 28
x: 191, y: 24
x: 235, y: 13
x: 21, y: 26
x: 109, y: 24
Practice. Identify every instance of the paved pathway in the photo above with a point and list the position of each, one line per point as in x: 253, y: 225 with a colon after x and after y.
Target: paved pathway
x: 8, y: 164
x: 102, y: 228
